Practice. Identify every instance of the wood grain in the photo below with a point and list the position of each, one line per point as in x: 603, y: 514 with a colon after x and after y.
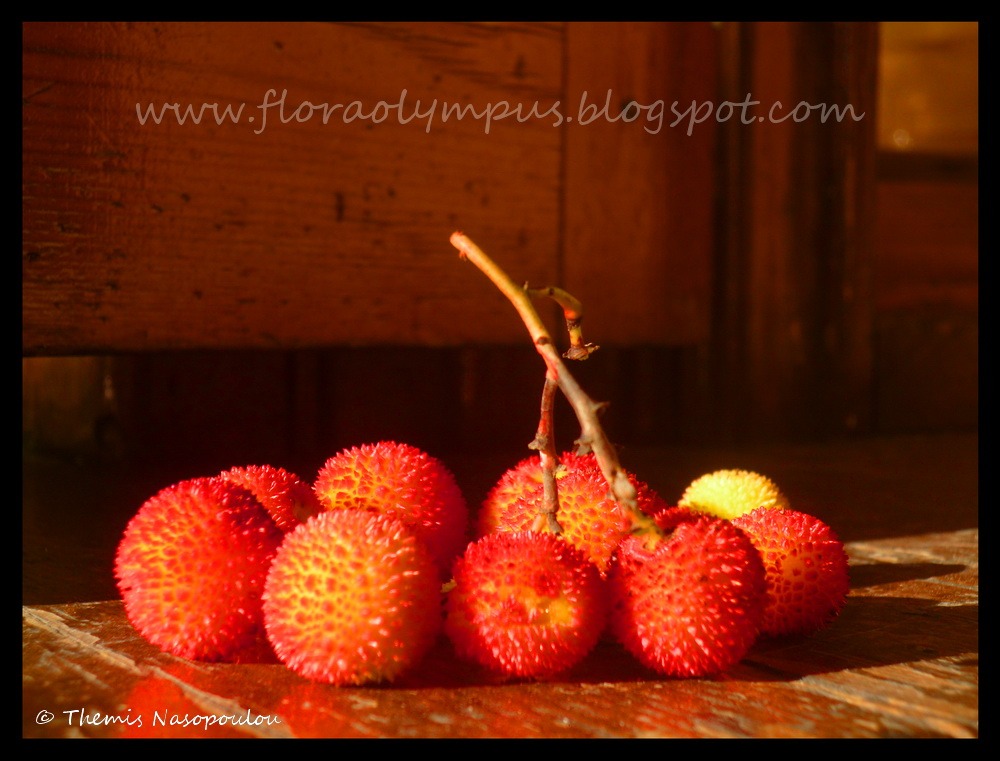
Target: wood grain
x: 302, y: 223
x: 900, y: 661
x: 210, y: 235
x: 639, y: 180
x: 793, y: 323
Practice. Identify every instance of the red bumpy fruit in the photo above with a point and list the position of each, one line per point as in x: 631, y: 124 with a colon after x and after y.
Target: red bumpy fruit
x: 402, y: 481
x: 525, y: 604
x: 588, y: 514
x: 191, y: 567
x: 807, y: 569
x: 689, y: 604
x: 352, y: 597
x: 284, y: 495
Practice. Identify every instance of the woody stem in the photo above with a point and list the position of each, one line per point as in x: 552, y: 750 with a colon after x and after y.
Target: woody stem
x: 544, y: 442
x: 586, y: 410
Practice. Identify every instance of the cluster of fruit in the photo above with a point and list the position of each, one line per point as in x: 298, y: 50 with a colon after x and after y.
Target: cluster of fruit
x: 350, y: 580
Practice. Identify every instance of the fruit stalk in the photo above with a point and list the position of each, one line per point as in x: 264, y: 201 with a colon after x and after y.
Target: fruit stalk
x: 586, y: 409
x: 544, y: 443
x: 573, y: 314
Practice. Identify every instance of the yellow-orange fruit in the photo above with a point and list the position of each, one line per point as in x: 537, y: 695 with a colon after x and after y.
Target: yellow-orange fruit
x: 525, y: 604
x: 728, y: 493
x: 352, y: 597
x: 588, y: 514
x: 191, y: 567
x: 807, y: 569
x: 402, y: 481
x: 689, y: 605
x: 288, y: 498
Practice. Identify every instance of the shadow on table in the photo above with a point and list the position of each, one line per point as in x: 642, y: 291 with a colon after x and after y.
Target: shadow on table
x: 877, y: 574
x: 872, y: 632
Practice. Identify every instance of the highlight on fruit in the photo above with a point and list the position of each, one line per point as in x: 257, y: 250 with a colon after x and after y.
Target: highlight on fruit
x: 353, y: 578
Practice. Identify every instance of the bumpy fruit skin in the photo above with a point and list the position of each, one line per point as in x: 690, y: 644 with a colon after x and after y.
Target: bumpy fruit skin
x: 191, y: 567
x: 689, y: 605
x: 403, y: 481
x: 807, y: 570
x: 352, y: 598
x: 728, y: 493
x: 525, y: 604
x: 588, y: 514
x: 284, y: 495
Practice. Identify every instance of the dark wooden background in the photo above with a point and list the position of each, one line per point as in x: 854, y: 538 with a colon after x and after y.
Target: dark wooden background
x: 199, y: 296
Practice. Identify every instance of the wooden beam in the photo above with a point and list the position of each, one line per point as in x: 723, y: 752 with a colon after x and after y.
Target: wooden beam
x: 309, y: 229
x: 638, y: 222
x: 793, y: 340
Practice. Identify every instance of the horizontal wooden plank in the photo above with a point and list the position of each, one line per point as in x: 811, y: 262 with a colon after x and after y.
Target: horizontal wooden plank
x: 899, y: 662
x: 284, y: 232
x: 293, y: 185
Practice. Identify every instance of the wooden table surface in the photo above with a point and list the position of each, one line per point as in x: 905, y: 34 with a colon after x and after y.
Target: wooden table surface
x: 902, y: 660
